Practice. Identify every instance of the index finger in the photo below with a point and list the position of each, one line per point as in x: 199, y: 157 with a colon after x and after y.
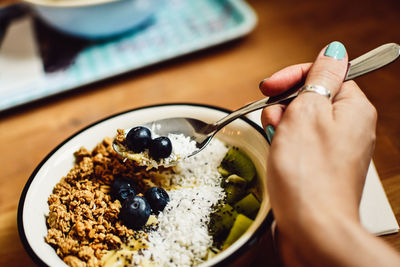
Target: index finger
x: 284, y: 79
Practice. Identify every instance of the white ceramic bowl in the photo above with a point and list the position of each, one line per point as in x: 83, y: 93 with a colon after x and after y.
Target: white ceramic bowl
x: 33, y: 205
x: 94, y: 19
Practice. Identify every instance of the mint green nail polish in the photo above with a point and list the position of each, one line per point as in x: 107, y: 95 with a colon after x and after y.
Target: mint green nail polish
x: 270, y: 131
x: 335, y: 50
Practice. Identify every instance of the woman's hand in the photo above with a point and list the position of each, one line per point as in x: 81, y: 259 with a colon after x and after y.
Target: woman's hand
x: 324, y: 146
x: 319, y: 158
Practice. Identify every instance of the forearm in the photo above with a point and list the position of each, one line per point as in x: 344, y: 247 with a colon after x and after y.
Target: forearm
x: 331, y: 240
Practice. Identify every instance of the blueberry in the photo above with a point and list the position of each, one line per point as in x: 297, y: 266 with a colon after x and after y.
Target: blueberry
x: 135, y: 212
x: 121, y: 189
x: 158, y: 198
x: 138, y: 139
x: 160, y: 147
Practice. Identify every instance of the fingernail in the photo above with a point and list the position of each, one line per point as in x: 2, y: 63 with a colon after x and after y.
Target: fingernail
x: 259, y: 86
x: 270, y: 131
x: 335, y: 50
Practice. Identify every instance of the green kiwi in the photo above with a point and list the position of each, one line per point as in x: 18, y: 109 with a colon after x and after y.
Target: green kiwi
x: 241, y: 224
x: 223, y: 171
x: 234, y: 192
x: 237, y: 162
x: 249, y: 206
x: 222, y: 219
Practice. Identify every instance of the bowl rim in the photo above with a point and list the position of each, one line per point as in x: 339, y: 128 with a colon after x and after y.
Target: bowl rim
x: 69, y: 3
x: 266, y: 224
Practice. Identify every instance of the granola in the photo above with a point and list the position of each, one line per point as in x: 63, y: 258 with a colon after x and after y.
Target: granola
x: 83, y: 223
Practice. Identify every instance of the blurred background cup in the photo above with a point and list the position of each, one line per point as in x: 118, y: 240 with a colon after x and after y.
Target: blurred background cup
x: 94, y: 19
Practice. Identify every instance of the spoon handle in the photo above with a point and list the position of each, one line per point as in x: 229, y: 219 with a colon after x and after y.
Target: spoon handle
x: 373, y: 60
x: 366, y: 63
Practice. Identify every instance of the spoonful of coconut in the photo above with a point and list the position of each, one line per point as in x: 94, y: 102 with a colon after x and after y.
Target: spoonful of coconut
x: 154, y: 144
x: 164, y: 142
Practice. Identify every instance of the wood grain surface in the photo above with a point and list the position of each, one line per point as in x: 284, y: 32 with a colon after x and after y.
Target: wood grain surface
x: 4, y: 3
x: 288, y: 32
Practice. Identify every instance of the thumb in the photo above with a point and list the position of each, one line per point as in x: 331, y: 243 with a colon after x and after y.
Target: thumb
x: 329, y: 69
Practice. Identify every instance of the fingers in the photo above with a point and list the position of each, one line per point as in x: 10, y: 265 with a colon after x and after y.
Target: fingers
x: 272, y: 115
x: 352, y: 110
x: 328, y: 70
x: 278, y: 83
x: 350, y: 103
x: 284, y: 79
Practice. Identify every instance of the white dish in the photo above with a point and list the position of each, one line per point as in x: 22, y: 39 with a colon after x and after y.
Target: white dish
x: 97, y: 19
x: 33, y: 205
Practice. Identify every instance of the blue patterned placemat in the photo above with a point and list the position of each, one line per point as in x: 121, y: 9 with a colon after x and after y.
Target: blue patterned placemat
x: 179, y: 28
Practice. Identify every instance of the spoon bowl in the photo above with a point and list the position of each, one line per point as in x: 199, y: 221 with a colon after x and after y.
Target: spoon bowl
x: 199, y: 131
x: 202, y: 132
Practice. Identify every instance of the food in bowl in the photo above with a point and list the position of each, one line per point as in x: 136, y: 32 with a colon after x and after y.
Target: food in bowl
x: 211, y: 200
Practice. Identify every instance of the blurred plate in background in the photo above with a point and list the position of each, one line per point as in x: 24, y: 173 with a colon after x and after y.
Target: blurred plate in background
x: 178, y: 28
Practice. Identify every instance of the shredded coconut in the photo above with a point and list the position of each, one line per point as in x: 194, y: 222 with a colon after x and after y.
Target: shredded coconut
x: 200, y: 169
x: 182, y: 237
x: 182, y: 146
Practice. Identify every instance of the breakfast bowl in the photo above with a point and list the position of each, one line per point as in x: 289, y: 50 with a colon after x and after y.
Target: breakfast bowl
x: 242, y: 133
x: 94, y: 19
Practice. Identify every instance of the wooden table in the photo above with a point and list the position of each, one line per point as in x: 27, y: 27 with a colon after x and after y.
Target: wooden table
x: 288, y: 32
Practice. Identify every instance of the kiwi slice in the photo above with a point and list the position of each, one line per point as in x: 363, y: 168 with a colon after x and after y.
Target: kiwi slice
x: 234, y: 192
x: 222, y: 219
x: 237, y: 162
x: 249, y: 206
x: 223, y: 171
x: 241, y: 224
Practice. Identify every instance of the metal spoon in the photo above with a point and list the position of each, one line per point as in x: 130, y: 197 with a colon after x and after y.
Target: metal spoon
x: 202, y: 132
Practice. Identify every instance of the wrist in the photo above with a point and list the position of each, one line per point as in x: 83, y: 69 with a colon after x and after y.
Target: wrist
x: 313, y: 222
x: 320, y: 237
x: 307, y: 216
x: 332, y: 239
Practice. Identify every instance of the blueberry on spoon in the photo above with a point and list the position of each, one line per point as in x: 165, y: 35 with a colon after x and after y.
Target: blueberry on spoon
x: 138, y: 139
x: 160, y: 147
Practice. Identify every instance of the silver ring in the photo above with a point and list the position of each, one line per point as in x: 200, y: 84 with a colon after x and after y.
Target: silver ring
x: 316, y: 89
